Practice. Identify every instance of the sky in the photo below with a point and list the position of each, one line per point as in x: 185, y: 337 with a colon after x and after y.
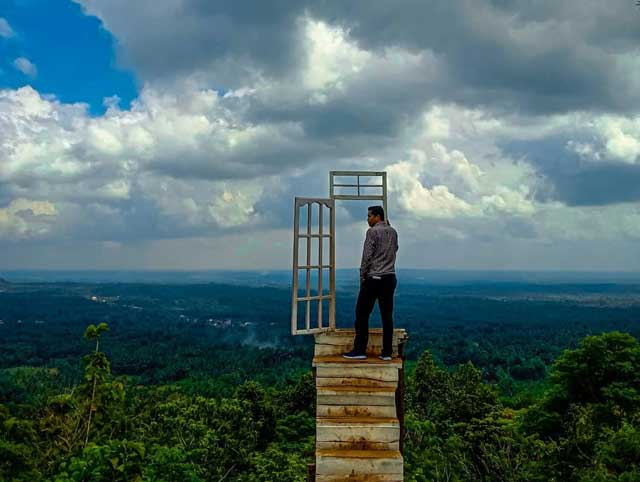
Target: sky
x: 175, y: 134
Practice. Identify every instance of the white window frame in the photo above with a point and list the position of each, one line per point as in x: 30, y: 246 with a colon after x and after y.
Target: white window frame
x: 307, y: 203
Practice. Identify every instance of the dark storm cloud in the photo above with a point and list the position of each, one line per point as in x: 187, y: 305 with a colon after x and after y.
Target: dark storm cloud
x: 523, y: 57
x: 376, y: 104
x: 174, y: 38
x: 567, y: 178
x: 598, y: 185
x: 541, y: 56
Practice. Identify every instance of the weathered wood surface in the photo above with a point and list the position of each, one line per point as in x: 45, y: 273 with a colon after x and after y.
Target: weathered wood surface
x: 363, y: 389
x: 354, y: 382
x: 345, y: 395
x: 355, y: 399
x: 358, y: 445
x: 358, y: 462
x: 339, y: 336
x: 357, y: 426
x: 329, y: 360
x: 323, y: 350
x: 341, y: 341
x: 360, y: 478
x: 387, y: 373
x: 362, y: 411
x: 358, y: 433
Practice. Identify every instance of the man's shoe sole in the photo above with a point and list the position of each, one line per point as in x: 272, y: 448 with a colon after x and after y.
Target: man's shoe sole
x: 355, y: 357
x: 385, y: 358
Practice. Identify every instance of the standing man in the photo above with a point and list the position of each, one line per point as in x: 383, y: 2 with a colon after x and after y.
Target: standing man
x: 377, y: 282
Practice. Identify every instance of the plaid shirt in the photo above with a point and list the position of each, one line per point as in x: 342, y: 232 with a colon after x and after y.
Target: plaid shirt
x: 379, y: 253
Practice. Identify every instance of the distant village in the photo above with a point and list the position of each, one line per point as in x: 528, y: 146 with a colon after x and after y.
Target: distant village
x: 214, y: 322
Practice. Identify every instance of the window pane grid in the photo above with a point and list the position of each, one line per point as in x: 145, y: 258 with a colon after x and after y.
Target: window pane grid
x: 317, y: 265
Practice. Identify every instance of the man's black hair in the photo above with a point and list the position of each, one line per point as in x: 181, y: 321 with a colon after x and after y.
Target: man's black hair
x: 377, y: 211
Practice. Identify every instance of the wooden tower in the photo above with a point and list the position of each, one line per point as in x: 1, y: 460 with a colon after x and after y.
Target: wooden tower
x: 360, y: 411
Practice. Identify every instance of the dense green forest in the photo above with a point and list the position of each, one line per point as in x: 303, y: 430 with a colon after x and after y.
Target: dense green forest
x: 122, y: 382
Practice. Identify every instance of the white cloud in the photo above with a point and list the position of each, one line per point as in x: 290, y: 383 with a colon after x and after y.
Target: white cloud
x: 621, y: 137
x: 610, y: 223
x: 477, y: 193
x: 406, y: 182
x: 437, y: 126
x: 174, y: 165
x: 438, y: 180
x: 187, y: 135
x: 5, y: 29
x: 331, y: 57
x: 189, y: 158
x: 604, y: 137
x: 25, y: 219
x: 494, y: 188
x: 418, y: 200
x: 508, y: 201
x: 25, y: 66
x: 609, y: 138
x: 234, y: 208
x: 187, y: 162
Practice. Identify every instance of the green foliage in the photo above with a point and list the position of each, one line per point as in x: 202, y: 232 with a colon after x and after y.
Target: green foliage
x: 159, y: 433
x: 498, y: 451
x: 92, y: 332
x: 604, y: 369
x: 449, y: 397
x: 298, y: 395
x: 276, y: 464
x: 163, y: 333
x: 431, y: 457
x: 248, y: 415
x: 216, y: 435
x: 296, y: 432
x: 457, y: 429
x: 28, y: 385
x: 594, y: 393
x: 116, y: 461
x: 583, y: 427
x: 167, y: 464
x: 18, y: 458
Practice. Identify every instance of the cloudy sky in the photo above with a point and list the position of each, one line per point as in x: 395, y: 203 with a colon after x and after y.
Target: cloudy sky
x: 170, y: 134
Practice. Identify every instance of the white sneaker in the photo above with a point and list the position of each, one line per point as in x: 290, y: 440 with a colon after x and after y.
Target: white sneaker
x: 385, y: 358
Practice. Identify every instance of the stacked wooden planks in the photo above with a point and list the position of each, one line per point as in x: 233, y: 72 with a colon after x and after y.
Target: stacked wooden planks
x: 357, y: 421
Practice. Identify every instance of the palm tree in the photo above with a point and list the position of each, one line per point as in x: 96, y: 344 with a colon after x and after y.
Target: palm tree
x: 93, y: 333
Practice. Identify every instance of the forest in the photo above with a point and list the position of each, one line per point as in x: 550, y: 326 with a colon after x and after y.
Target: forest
x: 202, y: 382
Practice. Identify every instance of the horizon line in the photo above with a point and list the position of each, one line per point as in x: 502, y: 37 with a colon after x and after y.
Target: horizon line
x: 288, y: 270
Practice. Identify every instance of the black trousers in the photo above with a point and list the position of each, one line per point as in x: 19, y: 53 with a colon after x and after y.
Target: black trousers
x: 370, y: 291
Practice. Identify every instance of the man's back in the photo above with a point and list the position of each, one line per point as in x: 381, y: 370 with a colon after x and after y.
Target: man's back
x: 379, y: 253
x: 377, y: 283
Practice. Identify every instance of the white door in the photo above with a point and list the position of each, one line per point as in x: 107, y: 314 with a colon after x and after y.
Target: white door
x: 313, y: 308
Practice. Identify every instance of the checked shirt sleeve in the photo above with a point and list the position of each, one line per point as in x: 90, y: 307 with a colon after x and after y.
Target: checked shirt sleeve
x: 367, y: 254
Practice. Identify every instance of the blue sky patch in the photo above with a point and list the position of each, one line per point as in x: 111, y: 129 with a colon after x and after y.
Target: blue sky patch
x: 74, y: 56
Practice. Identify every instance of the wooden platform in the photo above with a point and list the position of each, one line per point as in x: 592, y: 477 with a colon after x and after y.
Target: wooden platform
x: 359, y: 418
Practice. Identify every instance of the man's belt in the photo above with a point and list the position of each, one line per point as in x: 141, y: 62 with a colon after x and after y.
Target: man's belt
x: 380, y: 276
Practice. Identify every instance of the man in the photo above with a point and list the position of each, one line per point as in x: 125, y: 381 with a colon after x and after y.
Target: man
x: 377, y: 282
